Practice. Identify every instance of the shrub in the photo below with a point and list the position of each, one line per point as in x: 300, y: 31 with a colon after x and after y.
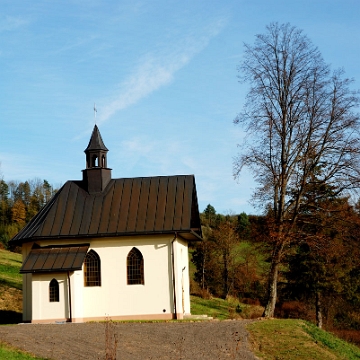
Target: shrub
x: 204, y: 294
x: 249, y: 301
x: 352, y: 336
x: 293, y: 310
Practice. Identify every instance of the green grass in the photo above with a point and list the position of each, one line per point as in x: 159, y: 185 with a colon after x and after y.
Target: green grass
x: 217, y: 308
x: 10, y: 264
x: 10, y: 288
x: 297, y: 339
x: 9, y: 353
x: 338, y: 346
x: 223, y: 309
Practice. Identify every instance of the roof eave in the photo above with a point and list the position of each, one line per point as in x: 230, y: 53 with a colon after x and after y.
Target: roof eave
x: 192, y: 236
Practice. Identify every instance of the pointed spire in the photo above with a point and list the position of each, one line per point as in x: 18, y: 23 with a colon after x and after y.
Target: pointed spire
x: 96, y: 142
x: 96, y: 175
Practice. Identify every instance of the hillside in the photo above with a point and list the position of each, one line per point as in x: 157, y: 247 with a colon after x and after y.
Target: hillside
x: 297, y: 339
x: 10, y: 287
x: 279, y: 338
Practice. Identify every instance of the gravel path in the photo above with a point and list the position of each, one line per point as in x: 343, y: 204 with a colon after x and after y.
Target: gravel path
x: 175, y: 340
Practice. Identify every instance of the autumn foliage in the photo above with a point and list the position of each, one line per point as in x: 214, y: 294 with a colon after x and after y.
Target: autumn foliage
x: 319, y: 277
x: 19, y: 202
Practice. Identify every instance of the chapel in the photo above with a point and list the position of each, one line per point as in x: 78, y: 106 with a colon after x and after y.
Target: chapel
x: 105, y: 248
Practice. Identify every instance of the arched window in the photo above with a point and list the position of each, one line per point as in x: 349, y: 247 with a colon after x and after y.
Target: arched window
x: 54, y: 291
x: 135, y: 267
x: 92, y: 271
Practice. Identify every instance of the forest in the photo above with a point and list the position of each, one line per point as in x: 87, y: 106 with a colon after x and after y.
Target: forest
x: 19, y: 202
x: 319, y: 274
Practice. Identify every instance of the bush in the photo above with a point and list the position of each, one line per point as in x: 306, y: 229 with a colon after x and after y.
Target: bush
x: 293, y: 310
x: 249, y: 301
x: 351, y: 336
x: 347, y: 320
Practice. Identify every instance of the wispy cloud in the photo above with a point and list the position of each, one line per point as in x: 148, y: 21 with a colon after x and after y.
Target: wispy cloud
x: 10, y: 23
x: 157, y: 70
x: 75, y: 43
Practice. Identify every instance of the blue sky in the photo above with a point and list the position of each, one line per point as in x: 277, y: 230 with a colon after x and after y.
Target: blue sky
x: 163, y: 77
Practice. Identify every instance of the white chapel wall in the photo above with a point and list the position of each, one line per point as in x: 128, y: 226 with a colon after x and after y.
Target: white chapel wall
x: 115, y: 297
x: 42, y: 308
x: 182, y: 277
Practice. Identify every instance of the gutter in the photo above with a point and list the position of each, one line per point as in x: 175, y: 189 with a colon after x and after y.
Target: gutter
x: 19, y: 242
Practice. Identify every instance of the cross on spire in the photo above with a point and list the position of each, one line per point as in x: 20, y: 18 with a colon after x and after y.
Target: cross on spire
x: 95, y: 111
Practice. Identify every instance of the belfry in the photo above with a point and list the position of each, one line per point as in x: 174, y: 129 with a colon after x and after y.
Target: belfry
x: 97, y: 175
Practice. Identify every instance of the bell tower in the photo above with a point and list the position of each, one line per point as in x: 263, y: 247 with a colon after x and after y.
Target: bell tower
x: 96, y: 175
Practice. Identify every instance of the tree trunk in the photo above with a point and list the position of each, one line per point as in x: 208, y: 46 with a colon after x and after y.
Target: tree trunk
x: 274, y: 273
x: 203, y: 271
x: 225, y: 275
x: 270, y: 306
x: 318, y: 308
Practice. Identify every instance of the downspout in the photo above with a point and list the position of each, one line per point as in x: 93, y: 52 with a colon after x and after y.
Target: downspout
x: 69, y: 286
x: 182, y: 290
x: 173, y: 271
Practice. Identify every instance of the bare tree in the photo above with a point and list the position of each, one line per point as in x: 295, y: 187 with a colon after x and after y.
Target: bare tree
x: 301, y: 118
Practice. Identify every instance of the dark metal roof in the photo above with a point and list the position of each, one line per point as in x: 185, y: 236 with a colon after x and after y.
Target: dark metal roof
x: 55, y: 259
x: 129, y: 206
x: 96, y: 142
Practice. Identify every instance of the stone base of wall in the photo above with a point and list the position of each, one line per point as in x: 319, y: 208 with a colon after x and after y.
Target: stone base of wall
x: 179, y: 316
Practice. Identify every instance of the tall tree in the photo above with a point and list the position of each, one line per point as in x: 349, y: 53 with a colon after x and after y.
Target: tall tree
x: 209, y: 215
x: 19, y: 213
x: 243, y: 226
x: 324, y: 259
x: 300, y: 117
x: 227, y: 239
x: 205, y: 262
x: 203, y: 256
x: 48, y: 191
x: 5, y: 211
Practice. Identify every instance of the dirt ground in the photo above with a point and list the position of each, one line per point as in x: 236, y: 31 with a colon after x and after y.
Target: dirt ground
x: 173, y: 340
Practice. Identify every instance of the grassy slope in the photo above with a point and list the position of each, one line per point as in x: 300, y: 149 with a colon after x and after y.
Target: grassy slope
x: 10, y: 286
x: 224, y: 309
x: 297, y: 339
x: 10, y: 264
